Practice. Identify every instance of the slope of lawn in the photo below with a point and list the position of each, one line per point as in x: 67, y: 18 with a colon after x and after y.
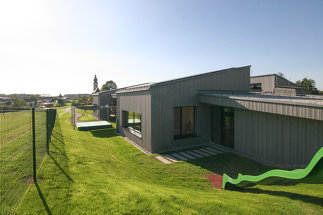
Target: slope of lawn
x: 98, y: 172
x: 87, y: 115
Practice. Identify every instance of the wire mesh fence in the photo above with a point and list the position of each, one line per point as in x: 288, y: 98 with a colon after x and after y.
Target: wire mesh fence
x: 24, y: 136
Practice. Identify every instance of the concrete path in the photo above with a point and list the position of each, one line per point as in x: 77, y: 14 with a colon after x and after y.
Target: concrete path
x: 188, y: 155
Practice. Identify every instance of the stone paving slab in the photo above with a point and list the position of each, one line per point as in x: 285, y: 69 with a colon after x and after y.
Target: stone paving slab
x: 163, y: 160
x: 187, y: 155
x: 194, y: 154
x: 214, y: 150
x: 180, y: 157
x: 171, y: 158
x: 202, y: 153
x: 209, y: 152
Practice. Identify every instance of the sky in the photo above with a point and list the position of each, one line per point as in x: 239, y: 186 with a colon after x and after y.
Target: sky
x: 52, y: 47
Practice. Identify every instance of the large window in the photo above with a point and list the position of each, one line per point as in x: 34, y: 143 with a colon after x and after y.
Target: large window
x: 131, y: 120
x: 184, y: 122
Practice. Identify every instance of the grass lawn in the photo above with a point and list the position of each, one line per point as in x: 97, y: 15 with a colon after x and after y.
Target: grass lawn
x: 87, y: 117
x: 98, y: 172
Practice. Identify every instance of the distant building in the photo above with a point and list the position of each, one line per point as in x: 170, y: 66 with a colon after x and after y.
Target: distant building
x: 275, y: 84
x: 5, y: 100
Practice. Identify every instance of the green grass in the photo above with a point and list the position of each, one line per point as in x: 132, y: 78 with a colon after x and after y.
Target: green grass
x: 98, y: 172
x: 87, y: 117
x: 67, y: 105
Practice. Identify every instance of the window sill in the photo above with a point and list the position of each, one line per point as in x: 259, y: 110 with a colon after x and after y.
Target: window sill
x: 134, y: 132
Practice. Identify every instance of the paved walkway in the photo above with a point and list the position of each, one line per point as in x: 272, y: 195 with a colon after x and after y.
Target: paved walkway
x: 188, y: 155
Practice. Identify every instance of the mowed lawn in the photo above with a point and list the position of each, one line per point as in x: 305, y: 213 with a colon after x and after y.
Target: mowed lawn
x: 99, y: 172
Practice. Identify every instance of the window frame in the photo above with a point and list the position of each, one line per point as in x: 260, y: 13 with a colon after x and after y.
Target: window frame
x: 131, y: 128
x: 181, y: 136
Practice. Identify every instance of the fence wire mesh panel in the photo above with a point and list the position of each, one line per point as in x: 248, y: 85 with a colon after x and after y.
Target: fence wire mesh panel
x: 16, y: 155
x: 16, y: 161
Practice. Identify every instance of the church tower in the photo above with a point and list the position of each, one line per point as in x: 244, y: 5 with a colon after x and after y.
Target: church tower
x: 95, y: 85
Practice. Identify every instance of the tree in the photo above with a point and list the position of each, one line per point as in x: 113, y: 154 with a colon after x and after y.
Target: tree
x: 18, y: 102
x: 281, y: 74
x: 90, y: 100
x: 109, y: 85
x: 34, y: 98
x: 60, y: 101
x: 308, y: 84
x: 80, y: 100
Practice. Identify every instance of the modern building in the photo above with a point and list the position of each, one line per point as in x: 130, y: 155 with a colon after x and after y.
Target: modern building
x: 108, y: 99
x: 218, y: 108
x: 275, y: 84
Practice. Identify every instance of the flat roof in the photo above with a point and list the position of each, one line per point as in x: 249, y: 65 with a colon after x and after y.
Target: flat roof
x: 309, y: 100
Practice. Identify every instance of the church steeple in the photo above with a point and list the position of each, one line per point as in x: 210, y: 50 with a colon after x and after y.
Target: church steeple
x: 95, y: 83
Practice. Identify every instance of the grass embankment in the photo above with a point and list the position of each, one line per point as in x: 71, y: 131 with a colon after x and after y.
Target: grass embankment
x: 97, y: 172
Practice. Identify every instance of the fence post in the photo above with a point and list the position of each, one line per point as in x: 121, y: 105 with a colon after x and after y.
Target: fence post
x: 34, y: 144
x: 47, y: 131
x: 74, y: 121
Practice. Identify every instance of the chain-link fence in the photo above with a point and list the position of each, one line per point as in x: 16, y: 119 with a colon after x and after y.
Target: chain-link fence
x: 24, y: 135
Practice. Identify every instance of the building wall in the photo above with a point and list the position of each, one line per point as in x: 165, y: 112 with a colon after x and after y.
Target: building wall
x: 276, y: 139
x: 267, y: 82
x: 139, y: 102
x: 96, y: 100
x: 184, y: 93
x: 105, y: 99
x: 270, y: 82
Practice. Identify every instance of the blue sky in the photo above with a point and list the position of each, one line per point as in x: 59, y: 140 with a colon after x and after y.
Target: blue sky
x: 57, y: 46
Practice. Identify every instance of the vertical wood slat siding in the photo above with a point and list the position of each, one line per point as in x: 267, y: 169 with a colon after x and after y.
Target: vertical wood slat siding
x: 184, y: 93
x: 277, y: 139
x: 138, y: 102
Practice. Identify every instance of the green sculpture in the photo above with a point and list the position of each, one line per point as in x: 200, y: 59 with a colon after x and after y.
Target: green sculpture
x: 312, y: 174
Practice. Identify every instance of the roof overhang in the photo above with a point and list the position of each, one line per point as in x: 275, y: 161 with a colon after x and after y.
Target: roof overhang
x: 262, y: 104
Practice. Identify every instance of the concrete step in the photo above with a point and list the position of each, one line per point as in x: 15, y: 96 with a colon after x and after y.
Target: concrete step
x: 171, y: 158
x: 163, y: 160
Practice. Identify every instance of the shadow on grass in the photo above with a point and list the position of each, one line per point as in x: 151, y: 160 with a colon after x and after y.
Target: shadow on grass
x: 60, y: 151
x: 104, y: 133
x: 293, y: 196
x: 231, y: 164
x: 63, y: 171
x: 43, y: 199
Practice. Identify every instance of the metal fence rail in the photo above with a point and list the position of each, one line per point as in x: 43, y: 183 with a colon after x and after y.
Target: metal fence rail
x: 24, y: 137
